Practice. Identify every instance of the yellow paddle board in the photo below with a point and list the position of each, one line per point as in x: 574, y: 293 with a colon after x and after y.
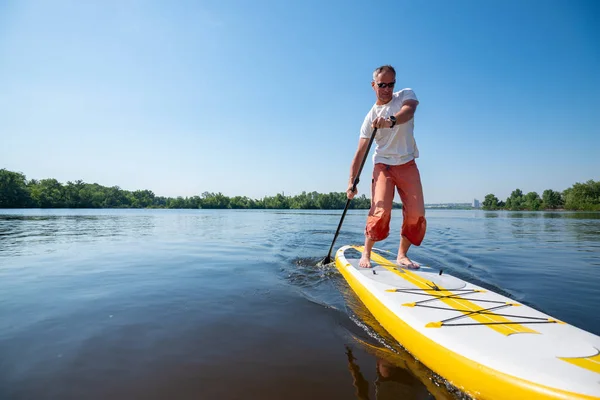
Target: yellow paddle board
x: 485, y: 344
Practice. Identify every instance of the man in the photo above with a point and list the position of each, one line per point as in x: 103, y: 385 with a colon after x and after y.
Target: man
x: 394, y: 167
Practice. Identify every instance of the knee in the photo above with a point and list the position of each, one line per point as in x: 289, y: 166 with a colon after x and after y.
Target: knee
x: 414, y: 230
x: 378, y: 225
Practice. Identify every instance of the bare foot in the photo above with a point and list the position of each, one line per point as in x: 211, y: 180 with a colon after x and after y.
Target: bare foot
x: 365, y: 261
x: 405, y: 262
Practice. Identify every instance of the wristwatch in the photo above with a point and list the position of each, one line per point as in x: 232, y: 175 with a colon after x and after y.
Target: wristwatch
x: 393, y: 119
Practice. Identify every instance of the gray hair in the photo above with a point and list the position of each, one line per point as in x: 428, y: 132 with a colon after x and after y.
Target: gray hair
x: 383, y: 69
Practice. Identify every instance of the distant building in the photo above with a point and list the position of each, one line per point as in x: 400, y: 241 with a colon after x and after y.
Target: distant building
x: 475, y: 203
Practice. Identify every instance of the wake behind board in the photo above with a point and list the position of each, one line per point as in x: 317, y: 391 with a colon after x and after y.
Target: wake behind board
x: 483, y: 343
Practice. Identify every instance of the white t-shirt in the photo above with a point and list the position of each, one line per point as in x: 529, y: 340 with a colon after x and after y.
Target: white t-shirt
x: 397, y: 145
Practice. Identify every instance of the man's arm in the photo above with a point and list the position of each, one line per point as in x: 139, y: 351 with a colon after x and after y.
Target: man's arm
x: 363, y: 143
x: 407, y: 111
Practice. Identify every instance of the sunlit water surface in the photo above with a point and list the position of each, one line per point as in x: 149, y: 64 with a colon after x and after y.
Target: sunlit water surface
x: 225, y: 304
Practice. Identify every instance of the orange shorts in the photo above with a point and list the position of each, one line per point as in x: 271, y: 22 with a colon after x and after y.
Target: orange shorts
x: 407, y: 180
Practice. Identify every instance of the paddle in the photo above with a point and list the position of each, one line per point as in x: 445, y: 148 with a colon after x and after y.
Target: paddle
x: 327, y: 259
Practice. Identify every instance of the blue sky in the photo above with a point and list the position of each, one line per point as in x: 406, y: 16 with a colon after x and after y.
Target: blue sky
x: 256, y: 98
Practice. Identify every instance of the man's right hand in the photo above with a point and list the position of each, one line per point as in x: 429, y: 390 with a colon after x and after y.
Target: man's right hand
x: 351, y: 193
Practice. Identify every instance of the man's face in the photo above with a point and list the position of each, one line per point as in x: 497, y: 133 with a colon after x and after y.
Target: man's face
x: 381, y: 86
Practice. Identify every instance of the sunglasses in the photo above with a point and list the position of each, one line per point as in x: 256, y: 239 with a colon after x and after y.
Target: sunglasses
x: 386, y: 85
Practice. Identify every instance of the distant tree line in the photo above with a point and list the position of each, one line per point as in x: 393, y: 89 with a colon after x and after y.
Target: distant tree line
x: 581, y: 196
x: 18, y: 192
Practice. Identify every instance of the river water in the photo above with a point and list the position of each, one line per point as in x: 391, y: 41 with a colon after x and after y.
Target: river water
x: 229, y: 304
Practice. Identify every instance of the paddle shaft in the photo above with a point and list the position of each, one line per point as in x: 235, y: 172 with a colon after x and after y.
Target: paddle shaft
x: 327, y: 259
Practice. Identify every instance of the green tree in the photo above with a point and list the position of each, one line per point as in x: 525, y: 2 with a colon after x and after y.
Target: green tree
x: 115, y: 197
x: 333, y: 201
x: 490, y: 202
x: 195, y: 202
x: 240, y: 202
x: 141, y: 198
x: 515, y: 201
x: 179, y: 202
x: 303, y: 201
x: 552, y: 199
x: 278, y: 201
x: 363, y: 203
x: 13, y: 190
x: 72, y: 194
x: 212, y: 200
x: 583, y: 196
x: 47, y: 193
x: 532, y: 201
x: 159, y: 202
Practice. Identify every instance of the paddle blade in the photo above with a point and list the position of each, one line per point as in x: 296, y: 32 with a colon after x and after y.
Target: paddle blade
x: 325, y: 261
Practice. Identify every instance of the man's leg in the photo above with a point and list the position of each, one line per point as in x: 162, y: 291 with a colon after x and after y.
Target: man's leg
x: 408, y: 180
x: 378, y: 221
x: 365, y: 258
x: 402, y: 251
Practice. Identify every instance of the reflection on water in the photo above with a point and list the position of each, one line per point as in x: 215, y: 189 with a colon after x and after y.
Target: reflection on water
x: 392, y: 382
